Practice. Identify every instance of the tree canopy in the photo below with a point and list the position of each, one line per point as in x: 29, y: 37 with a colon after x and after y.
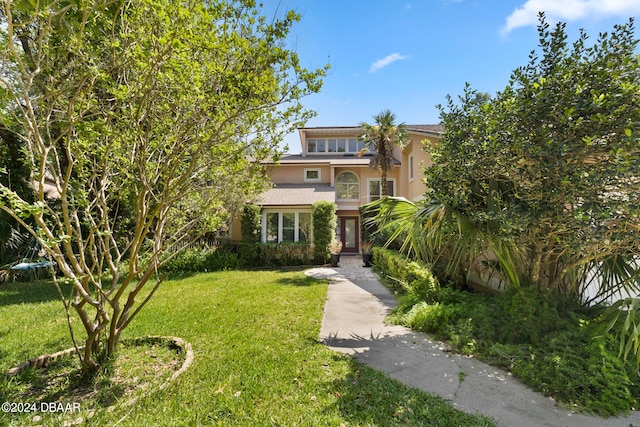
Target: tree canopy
x: 149, y: 118
x: 553, y: 161
x: 543, y: 177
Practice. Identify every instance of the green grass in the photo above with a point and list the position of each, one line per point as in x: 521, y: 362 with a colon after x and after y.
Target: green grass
x: 257, y: 359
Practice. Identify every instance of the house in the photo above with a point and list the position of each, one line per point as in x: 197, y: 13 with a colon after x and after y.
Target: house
x: 330, y: 169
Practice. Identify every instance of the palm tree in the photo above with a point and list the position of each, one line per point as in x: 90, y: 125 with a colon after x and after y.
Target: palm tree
x: 380, y: 138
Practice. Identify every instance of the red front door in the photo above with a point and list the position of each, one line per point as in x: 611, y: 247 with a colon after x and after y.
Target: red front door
x: 349, y: 233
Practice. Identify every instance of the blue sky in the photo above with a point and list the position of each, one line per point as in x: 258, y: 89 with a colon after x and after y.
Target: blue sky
x: 406, y: 55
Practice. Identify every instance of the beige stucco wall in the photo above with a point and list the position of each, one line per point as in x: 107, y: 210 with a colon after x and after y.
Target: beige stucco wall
x: 411, y: 189
x: 294, y: 174
x: 414, y: 189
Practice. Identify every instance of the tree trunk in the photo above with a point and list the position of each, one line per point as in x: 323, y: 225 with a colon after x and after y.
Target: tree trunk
x: 383, y: 182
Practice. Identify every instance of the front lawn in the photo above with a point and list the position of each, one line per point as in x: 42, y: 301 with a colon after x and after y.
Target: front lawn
x: 257, y: 358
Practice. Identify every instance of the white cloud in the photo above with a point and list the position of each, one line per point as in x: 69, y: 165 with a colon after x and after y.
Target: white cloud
x: 569, y: 10
x: 381, y: 63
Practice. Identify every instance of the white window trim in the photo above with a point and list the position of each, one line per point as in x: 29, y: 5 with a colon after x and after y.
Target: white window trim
x: 326, y: 146
x: 411, y: 168
x: 369, y: 180
x: 352, y: 183
x: 318, y: 179
x: 296, y: 235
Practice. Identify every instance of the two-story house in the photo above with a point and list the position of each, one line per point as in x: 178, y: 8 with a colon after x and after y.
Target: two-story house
x: 329, y: 168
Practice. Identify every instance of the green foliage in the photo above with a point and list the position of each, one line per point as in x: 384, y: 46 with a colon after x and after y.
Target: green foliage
x: 561, y: 353
x: 257, y: 362
x: 251, y: 223
x: 150, y: 118
x: 225, y: 258
x: 203, y: 260
x: 404, y: 275
x: 549, y: 166
x: 324, y: 229
x: 278, y: 254
x: 380, y: 138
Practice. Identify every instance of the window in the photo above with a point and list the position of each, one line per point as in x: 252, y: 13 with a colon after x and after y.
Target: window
x: 374, y: 189
x: 272, y: 227
x: 410, y: 167
x: 289, y: 226
x: 335, y: 145
x: 312, y: 175
x: 347, y: 186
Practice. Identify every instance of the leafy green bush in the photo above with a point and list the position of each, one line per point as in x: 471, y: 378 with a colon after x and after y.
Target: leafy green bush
x: 203, y: 260
x: 249, y: 254
x: 324, y: 229
x: 404, y: 275
x: 251, y: 223
x: 563, y: 353
x: 275, y: 254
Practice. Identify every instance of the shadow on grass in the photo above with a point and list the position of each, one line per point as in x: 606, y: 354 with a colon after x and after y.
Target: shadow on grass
x: 298, y: 280
x: 30, y: 292
x: 367, y: 396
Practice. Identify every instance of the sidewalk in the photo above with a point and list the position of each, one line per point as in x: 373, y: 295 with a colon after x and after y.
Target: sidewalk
x: 353, y: 323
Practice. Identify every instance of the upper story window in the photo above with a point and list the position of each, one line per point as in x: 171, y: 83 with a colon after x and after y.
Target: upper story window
x: 410, y: 167
x: 375, y: 189
x: 347, y: 186
x: 334, y: 145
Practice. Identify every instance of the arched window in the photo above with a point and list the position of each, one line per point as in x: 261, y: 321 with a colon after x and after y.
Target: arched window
x: 347, y: 186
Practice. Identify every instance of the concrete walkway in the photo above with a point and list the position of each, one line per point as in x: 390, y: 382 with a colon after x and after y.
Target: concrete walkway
x: 353, y: 323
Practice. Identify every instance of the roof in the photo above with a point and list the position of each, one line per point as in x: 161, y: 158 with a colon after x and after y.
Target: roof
x: 327, y: 159
x: 297, y: 194
x: 437, y: 130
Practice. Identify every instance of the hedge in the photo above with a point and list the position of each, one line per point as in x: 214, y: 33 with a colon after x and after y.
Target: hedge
x: 404, y: 275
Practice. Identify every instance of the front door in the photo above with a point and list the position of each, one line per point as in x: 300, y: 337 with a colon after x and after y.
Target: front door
x: 348, y: 231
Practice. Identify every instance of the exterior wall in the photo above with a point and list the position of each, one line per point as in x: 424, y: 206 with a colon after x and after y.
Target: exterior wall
x: 331, y: 165
x: 294, y: 174
x: 236, y: 234
x: 414, y: 153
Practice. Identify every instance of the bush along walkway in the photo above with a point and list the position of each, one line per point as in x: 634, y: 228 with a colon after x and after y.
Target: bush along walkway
x: 353, y: 323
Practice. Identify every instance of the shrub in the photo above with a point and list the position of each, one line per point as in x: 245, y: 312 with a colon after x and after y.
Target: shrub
x: 251, y: 223
x: 274, y: 254
x: 324, y: 229
x: 202, y: 260
x: 406, y: 276
x: 562, y: 353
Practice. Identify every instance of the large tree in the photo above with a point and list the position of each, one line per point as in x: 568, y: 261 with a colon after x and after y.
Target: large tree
x: 545, y: 176
x: 380, y: 138
x: 149, y: 117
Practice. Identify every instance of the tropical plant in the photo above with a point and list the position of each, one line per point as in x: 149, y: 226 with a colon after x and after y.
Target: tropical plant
x: 545, y: 175
x: 156, y: 108
x: 380, y: 138
x: 543, y: 178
